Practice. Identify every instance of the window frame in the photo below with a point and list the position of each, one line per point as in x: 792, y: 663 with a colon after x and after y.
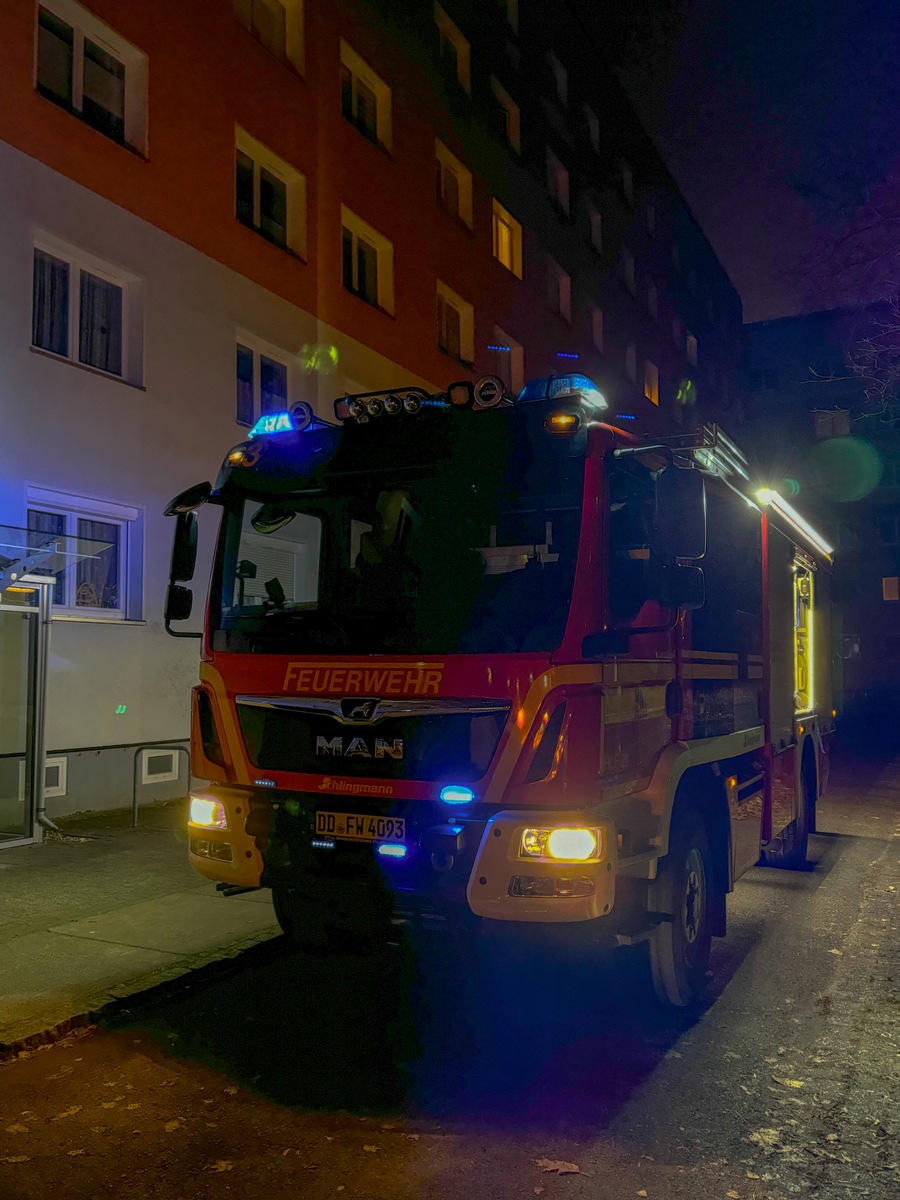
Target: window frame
x: 79, y: 262
x: 261, y: 349
x: 85, y: 26
x: 627, y: 269
x: 294, y: 30
x: 651, y: 382
x: 504, y: 101
x: 560, y: 78
x: 446, y: 296
x: 559, y: 182
x: 264, y: 159
x: 447, y: 161
x: 561, y: 297
x: 362, y: 72
x: 501, y: 216
x: 129, y: 520
x: 450, y: 32
x: 384, y: 249
x: 515, y: 359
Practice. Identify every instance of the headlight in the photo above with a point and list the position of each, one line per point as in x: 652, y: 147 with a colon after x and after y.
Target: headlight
x: 207, y: 813
x: 569, y: 844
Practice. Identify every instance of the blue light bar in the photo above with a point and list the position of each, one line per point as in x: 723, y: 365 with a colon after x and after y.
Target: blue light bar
x: 563, y: 387
x: 391, y: 850
x: 566, y: 354
x: 279, y: 422
x: 454, y: 793
x: 626, y: 417
x: 502, y: 349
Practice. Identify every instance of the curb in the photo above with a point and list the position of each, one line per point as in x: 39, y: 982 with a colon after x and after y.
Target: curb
x: 249, y: 953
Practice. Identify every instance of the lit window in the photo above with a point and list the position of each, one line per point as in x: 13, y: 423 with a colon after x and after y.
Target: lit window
x: 455, y: 324
x: 690, y: 349
x: 507, y: 233
x: 509, y: 361
x: 278, y: 24
x: 890, y: 588
x: 626, y: 269
x: 560, y: 78
x: 365, y: 98
x: 87, y: 311
x: 597, y: 328
x: 652, y: 301
x: 269, y: 195
x: 454, y: 184
x: 105, y: 582
x: 557, y: 181
x: 367, y: 261
x: 596, y: 229
x: 651, y: 382
x: 631, y: 362
x: 627, y: 183
x: 592, y: 121
x: 455, y: 54
x: 87, y: 68
x: 508, y: 117
x: 559, y: 290
x: 261, y: 377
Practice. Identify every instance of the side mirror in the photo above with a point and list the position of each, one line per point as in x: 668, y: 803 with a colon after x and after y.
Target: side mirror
x: 681, y: 588
x: 179, y: 603
x: 184, y: 547
x: 188, y: 500
x: 680, y: 520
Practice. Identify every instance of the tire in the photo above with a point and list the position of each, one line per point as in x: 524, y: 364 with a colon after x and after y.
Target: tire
x: 680, y: 947
x: 789, y: 851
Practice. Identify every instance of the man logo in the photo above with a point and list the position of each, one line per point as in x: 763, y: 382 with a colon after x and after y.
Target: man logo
x: 358, y: 710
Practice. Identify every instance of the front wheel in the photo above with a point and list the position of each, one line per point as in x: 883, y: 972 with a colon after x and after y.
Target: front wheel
x: 680, y: 946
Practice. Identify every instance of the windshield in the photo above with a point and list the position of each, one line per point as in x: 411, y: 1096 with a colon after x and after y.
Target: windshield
x: 379, y: 562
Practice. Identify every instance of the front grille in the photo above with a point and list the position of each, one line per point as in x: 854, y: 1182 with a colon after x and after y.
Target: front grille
x: 425, y: 746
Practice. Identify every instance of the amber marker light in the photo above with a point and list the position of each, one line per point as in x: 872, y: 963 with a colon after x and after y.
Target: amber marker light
x: 563, y: 422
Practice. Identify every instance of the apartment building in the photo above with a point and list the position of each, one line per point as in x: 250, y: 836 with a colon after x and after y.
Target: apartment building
x: 210, y: 209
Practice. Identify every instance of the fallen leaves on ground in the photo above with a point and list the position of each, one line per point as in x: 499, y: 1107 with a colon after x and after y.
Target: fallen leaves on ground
x: 16, y: 1158
x: 557, y: 1166
x: 371, y: 1149
x: 222, y: 1164
x: 17, y: 1129
x: 791, y: 1083
x: 171, y: 1126
x: 768, y: 1139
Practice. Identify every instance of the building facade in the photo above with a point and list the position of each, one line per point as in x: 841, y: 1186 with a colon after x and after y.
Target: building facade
x: 211, y: 209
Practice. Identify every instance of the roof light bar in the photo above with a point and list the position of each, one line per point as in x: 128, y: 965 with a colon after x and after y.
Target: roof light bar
x: 767, y: 496
x: 278, y: 422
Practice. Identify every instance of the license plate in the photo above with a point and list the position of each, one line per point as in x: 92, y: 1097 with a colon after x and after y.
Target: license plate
x: 357, y: 827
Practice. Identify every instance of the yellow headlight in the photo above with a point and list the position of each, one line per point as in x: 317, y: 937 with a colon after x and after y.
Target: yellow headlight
x: 210, y: 814
x: 563, y: 845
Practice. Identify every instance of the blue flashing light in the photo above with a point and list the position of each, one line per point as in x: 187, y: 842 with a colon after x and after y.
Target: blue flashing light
x: 279, y: 422
x: 566, y: 354
x: 454, y: 793
x: 626, y: 417
x: 391, y: 850
x: 502, y: 349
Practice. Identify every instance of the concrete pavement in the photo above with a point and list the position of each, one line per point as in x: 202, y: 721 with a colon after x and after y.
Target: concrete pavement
x: 107, y: 911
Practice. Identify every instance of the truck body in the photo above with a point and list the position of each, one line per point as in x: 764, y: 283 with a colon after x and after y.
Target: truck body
x: 501, y: 664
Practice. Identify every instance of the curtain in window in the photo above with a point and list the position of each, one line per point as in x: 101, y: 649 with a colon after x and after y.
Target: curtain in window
x: 244, y: 414
x: 103, y: 102
x: 272, y: 385
x: 50, y: 303
x: 100, y: 335
x: 55, y: 47
x: 46, y: 528
x: 97, y: 577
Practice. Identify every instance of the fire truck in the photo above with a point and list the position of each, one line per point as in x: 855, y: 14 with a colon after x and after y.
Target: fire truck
x: 500, y: 665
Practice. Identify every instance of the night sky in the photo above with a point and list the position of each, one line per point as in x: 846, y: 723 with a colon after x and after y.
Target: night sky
x: 780, y: 120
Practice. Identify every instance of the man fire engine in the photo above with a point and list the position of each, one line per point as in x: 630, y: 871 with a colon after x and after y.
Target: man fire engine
x: 482, y: 661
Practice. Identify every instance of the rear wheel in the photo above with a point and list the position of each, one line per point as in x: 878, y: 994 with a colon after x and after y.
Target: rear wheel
x: 789, y: 851
x: 680, y: 946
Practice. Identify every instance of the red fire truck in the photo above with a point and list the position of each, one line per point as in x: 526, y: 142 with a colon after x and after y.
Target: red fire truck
x: 499, y: 663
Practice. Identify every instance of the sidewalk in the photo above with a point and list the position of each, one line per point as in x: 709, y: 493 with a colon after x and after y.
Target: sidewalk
x: 87, y: 921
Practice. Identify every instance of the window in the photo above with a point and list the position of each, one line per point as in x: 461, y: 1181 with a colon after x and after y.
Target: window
x: 597, y: 328
x: 888, y: 530
x: 509, y: 361
x: 651, y: 382
x: 509, y: 121
x: 87, y: 68
x: 596, y: 221
x: 86, y: 311
x: 690, y: 349
x: 560, y: 77
x: 105, y: 580
x: 890, y: 588
x: 558, y: 181
x: 269, y: 195
x: 278, y: 24
x: 455, y: 324
x: 652, y: 300
x: 159, y: 766
x: 454, y: 184
x: 559, y: 290
x: 261, y: 379
x: 365, y: 98
x: 592, y: 121
x: 453, y: 49
x: 627, y: 183
x: 631, y: 362
x: 507, y: 235
x: 626, y: 269
x: 367, y: 261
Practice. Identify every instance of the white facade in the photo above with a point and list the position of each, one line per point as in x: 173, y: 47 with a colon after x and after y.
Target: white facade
x: 120, y: 450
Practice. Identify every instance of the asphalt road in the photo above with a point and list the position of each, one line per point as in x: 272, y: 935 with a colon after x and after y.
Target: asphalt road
x: 359, y: 1078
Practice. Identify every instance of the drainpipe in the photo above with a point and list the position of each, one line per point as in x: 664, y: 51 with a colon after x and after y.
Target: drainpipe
x: 41, y: 673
